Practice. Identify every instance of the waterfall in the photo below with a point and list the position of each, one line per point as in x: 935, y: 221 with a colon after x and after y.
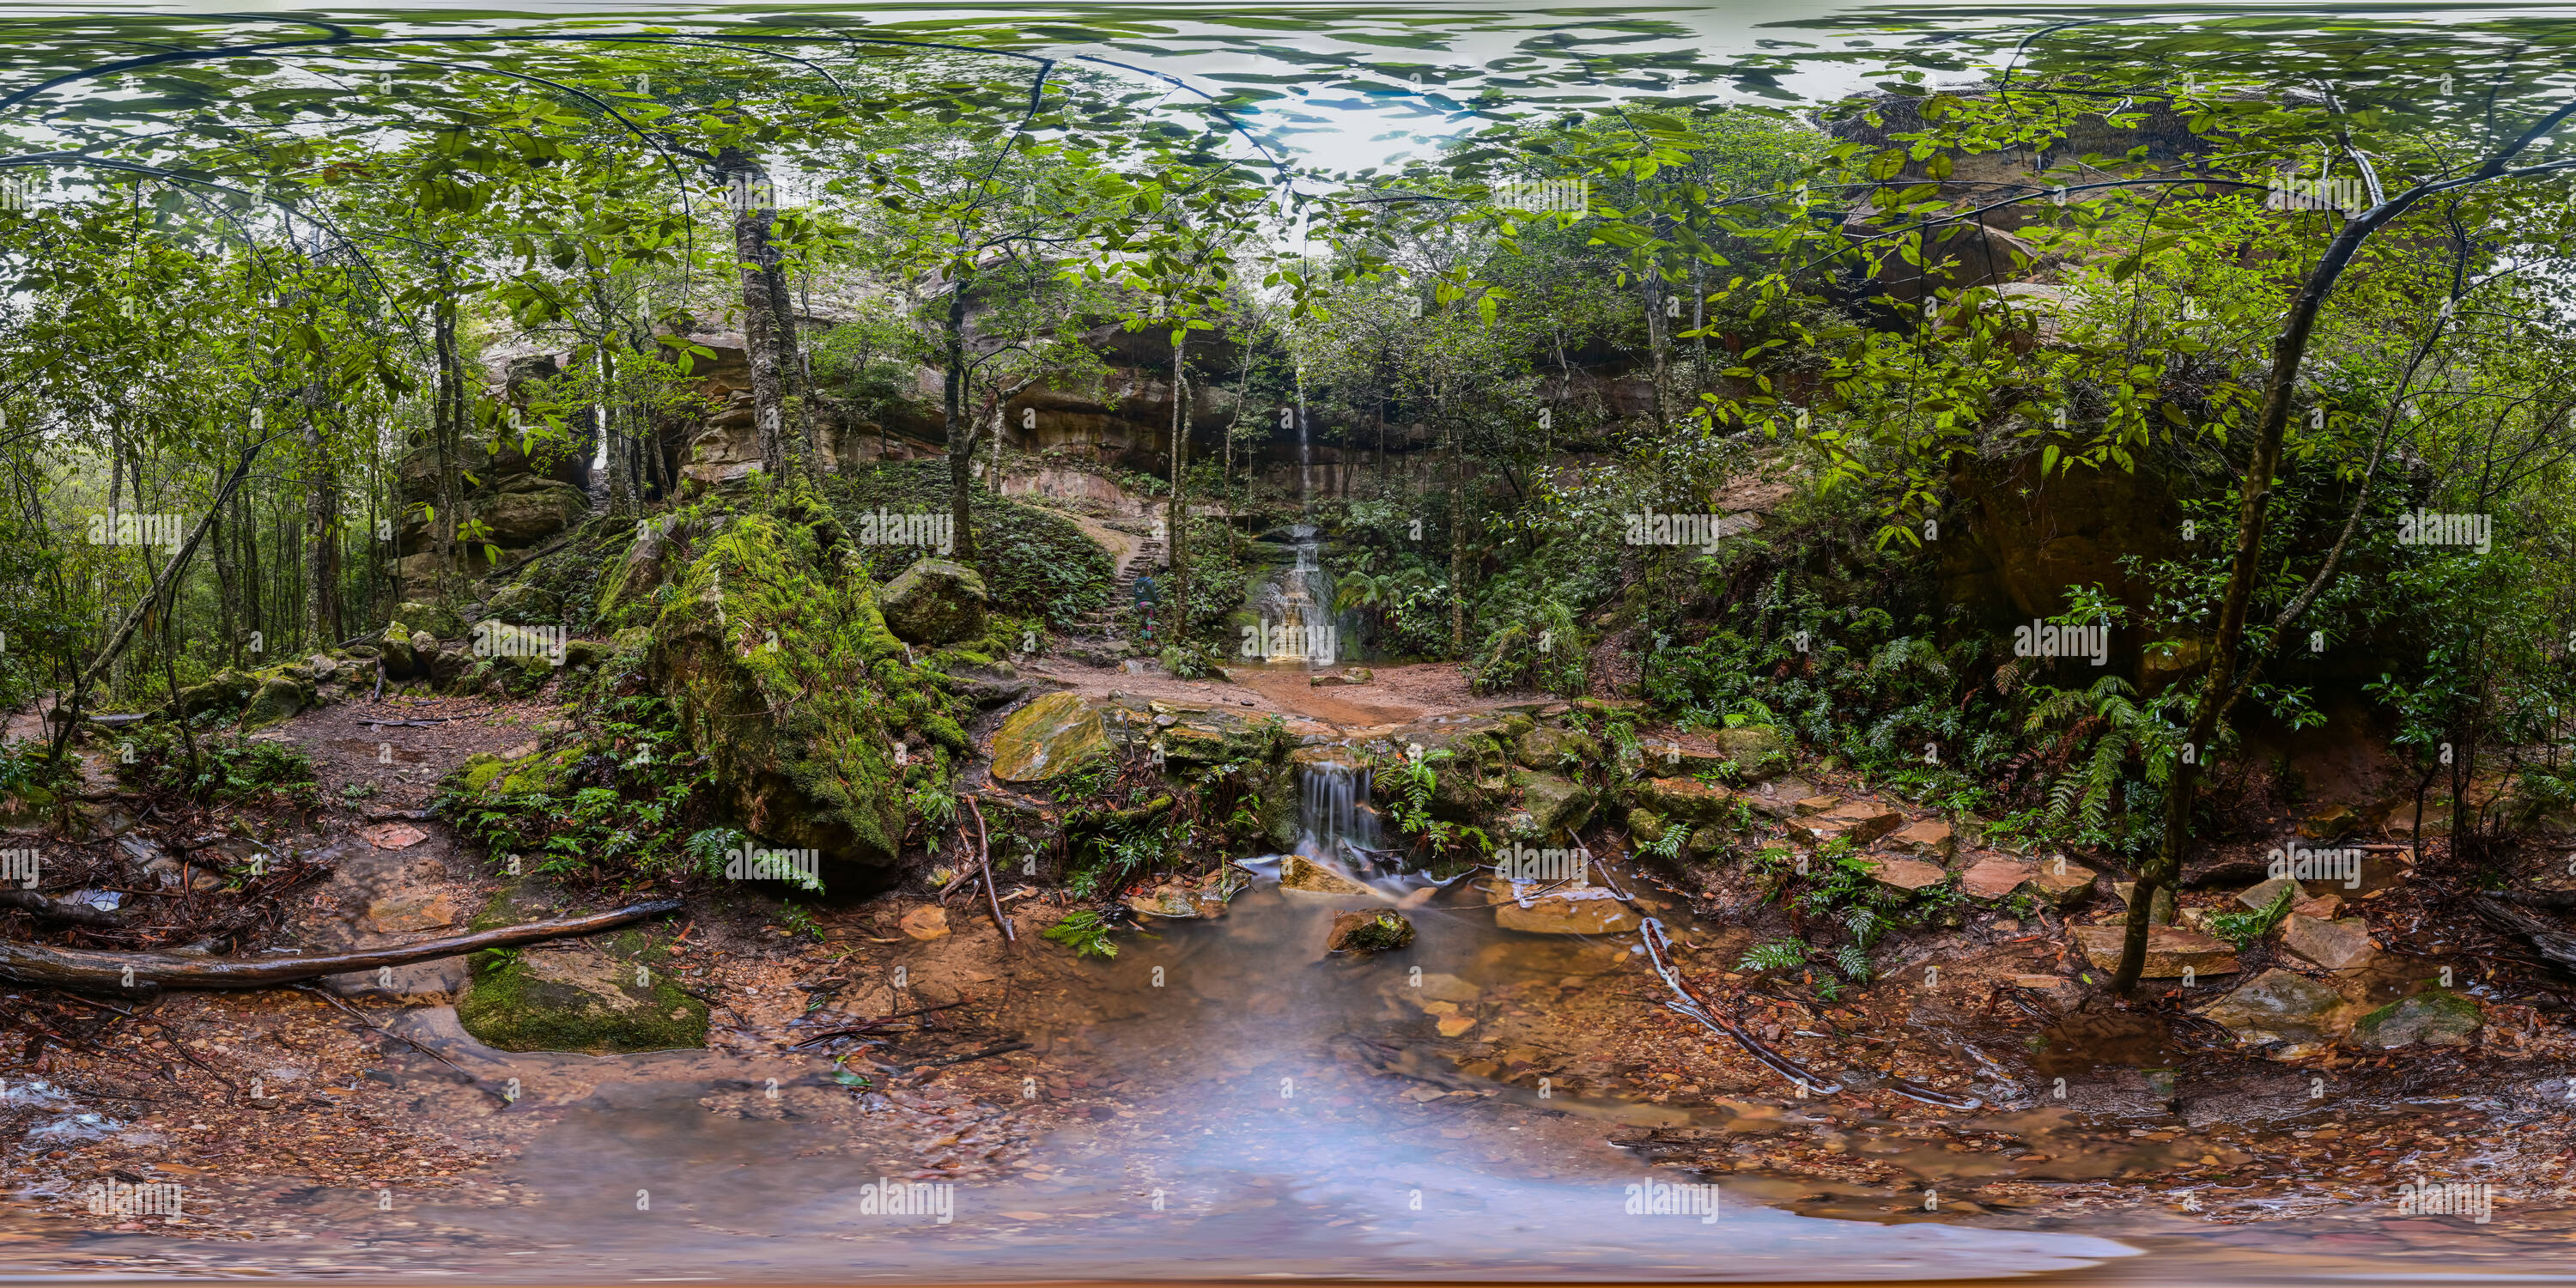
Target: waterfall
x: 1297, y: 622
x: 1305, y: 462
x: 1332, y: 807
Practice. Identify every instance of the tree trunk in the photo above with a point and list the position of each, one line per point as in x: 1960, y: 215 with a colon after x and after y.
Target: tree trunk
x: 2219, y: 689
x: 958, y: 420
x: 1180, y: 506
x: 322, y: 614
x: 746, y: 185
x: 1457, y: 546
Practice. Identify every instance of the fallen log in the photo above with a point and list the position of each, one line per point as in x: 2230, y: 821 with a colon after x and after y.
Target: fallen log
x: 2546, y: 937
x: 95, y: 971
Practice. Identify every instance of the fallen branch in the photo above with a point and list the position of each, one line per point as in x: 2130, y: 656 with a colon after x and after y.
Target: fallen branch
x: 48, y: 908
x: 2547, y: 938
x: 999, y: 1048
x: 410, y: 724
x: 984, y: 861
x: 102, y: 971
x: 361, y: 1017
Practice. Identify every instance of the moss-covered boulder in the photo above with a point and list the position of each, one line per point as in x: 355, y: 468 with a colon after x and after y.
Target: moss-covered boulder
x: 523, y: 604
x: 1548, y: 747
x: 781, y: 672
x: 1687, y: 799
x: 1554, y: 805
x: 437, y: 619
x: 935, y: 601
x: 224, y: 691
x: 394, y: 650
x: 615, y: 993
x: 630, y: 584
x: 1759, y: 751
x: 1055, y: 735
x: 2435, y: 1017
x: 279, y: 698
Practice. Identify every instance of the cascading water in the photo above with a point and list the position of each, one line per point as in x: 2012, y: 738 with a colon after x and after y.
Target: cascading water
x: 1296, y: 625
x: 1333, y: 811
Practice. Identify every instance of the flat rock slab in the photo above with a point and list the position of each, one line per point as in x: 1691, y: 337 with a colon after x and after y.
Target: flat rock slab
x: 1930, y: 838
x: 2061, y: 882
x: 1305, y: 876
x: 2171, y: 950
x: 400, y: 915
x: 1908, y: 875
x: 2260, y: 897
x: 1686, y: 799
x: 2279, y: 1006
x: 1055, y: 734
x: 930, y: 921
x: 1860, y: 822
x: 2435, y: 1018
x: 393, y: 836
x: 1992, y: 876
x: 1590, y: 911
x: 2335, y: 945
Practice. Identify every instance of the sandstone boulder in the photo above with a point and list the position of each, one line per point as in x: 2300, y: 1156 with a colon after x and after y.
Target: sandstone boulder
x: 935, y: 601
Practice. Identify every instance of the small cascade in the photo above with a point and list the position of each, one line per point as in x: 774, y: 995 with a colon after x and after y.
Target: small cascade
x: 1297, y: 625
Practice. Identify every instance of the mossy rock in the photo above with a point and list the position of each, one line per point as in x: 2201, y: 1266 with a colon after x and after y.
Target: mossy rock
x: 622, y: 998
x: 393, y: 649
x: 584, y: 654
x: 437, y: 619
x: 1378, y: 931
x: 2436, y: 1017
x: 224, y: 691
x: 523, y: 604
x: 1545, y: 747
x: 1644, y: 824
x: 1556, y: 806
x: 1759, y: 751
x: 540, y: 773
x: 935, y: 601
x: 1055, y: 735
x: 279, y: 698
x: 800, y: 735
x: 479, y: 770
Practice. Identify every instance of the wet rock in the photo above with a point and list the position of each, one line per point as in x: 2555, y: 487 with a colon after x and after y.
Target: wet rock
x: 2333, y: 823
x: 1556, y: 805
x: 2170, y: 951
x: 2062, y: 882
x: 927, y: 922
x: 2436, y: 1017
x: 2377, y: 870
x: 1930, y: 839
x: 1373, y: 931
x: 1685, y: 799
x: 1810, y: 806
x: 2234, y: 871
x: 1905, y: 875
x: 1191, y: 900
x: 1859, y: 822
x: 1306, y: 876
x: 2279, y: 1006
x: 1585, y: 911
x: 935, y: 601
x: 437, y: 619
x: 2335, y: 945
x: 1759, y: 752
x: 1779, y: 797
x: 576, y: 999
x: 523, y: 604
x: 1056, y: 734
x: 1346, y: 676
x: 1439, y: 987
x: 2323, y: 906
x: 406, y: 914
x: 1993, y: 876
x: 1645, y: 824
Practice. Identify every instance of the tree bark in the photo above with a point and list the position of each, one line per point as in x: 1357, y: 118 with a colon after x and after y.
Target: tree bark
x: 81, y: 968
x: 1180, y: 507
x: 322, y: 611
x: 959, y: 421
x: 746, y: 185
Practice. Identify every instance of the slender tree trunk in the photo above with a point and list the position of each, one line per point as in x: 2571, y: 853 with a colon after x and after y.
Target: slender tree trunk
x: 1457, y: 546
x: 2220, y: 688
x: 246, y: 531
x: 322, y: 613
x: 958, y: 420
x: 445, y: 437
x: 225, y: 623
x: 1180, y: 506
x: 763, y: 317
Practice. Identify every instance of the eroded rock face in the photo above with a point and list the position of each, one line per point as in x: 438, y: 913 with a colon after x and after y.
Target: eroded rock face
x: 522, y: 604
x: 529, y: 509
x: 1055, y: 735
x: 935, y: 601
